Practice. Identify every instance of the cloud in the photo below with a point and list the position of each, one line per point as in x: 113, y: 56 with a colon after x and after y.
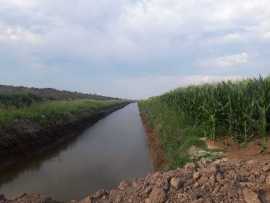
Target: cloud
x: 16, y: 34
x: 122, y: 39
x: 228, y: 38
x: 234, y: 61
x: 266, y: 35
x: 19, y: 3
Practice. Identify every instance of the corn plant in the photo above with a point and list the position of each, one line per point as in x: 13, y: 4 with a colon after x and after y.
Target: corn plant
x: 237, y: 109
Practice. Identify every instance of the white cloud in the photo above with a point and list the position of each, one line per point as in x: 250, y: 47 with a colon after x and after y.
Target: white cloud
x: 235, y: 61
x: 120, y: 38
x: 19, y: 3
x: 266, y: 35
x: 18, y: 34
x: 149, y: 28
x: 230, y: 38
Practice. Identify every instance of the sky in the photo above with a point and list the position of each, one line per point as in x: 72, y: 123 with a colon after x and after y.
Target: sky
x: 132, y: 48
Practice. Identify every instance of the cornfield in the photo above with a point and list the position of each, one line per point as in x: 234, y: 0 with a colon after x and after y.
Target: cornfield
x: 238, y: 109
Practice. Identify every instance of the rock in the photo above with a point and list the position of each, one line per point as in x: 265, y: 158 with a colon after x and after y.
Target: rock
x: 267, y: 180
x: 157, y: 196
x: 217, y: 161
x: 213, y: 169
x: 196, y: 175
x: 198, y: 201
x: 134, y: 184
x: 157, y: 174
x: 250, y: 196
x: 189, y: 166
x: 204, y: 162
x: 148, y: 190
x: 100, y: 194
x: 118, y: 199
x: 124, y: 184
x: 265, y: 196
x: 266, y: 168
x: 176, y: 183
x: 86, y: 200
x: 196, y: 153
x: 147, y: 201
x: 166, y: 186
x: 251, y: 162
x: 262, y: 179
x: 203, y: 180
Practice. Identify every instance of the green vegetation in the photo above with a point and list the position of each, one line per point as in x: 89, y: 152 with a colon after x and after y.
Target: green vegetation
x: 48, y: 112
x: 18, y: 100
x: 49, y: 93
x: 240, y: 110
x: 33, y: 120
x: 46, y: 106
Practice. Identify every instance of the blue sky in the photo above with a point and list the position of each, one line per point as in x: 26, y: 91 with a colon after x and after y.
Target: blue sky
x: 132, y: 48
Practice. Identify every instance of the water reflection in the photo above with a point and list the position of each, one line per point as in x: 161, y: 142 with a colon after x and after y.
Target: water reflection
x: 113, y: 149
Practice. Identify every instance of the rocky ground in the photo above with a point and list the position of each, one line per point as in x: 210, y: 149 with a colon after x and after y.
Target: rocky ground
x: 223, y: 180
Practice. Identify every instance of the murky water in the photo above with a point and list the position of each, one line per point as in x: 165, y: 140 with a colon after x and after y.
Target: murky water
x: 113, y: 149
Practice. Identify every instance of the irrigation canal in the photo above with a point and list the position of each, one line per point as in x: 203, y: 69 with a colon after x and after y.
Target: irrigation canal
x: 112, y: 150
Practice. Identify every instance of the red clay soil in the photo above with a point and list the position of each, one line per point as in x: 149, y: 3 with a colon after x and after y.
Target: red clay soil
x: 235, y: 151
x: 204, y: 182
x: 156, y: 151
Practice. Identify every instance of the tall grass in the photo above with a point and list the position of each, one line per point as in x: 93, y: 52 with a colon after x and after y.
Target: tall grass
x: 240, y: 110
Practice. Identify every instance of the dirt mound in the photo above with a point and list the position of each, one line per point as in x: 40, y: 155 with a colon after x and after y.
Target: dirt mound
x: 25, y: 198
x: 218, y: 181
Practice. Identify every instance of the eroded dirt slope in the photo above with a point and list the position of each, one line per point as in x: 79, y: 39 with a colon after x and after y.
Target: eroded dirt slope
x: 219, y: 181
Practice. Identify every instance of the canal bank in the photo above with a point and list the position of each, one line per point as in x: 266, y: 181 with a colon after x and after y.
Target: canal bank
x: 113, y: 149
x: 25, y: 139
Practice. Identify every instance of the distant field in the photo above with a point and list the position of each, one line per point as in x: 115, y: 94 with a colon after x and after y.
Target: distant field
x: 8, y: 101
x: 47, y: 105
x: 51, y: 111
x: 240, y: 110
x: 49, y: 93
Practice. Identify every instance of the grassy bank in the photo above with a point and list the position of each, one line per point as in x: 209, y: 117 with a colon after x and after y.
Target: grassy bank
x: 29, y: 130
x: 239, y: 110
x: 48, y: 112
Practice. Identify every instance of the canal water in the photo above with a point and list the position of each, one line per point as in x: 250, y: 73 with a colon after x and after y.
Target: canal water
x: 113, y: 149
